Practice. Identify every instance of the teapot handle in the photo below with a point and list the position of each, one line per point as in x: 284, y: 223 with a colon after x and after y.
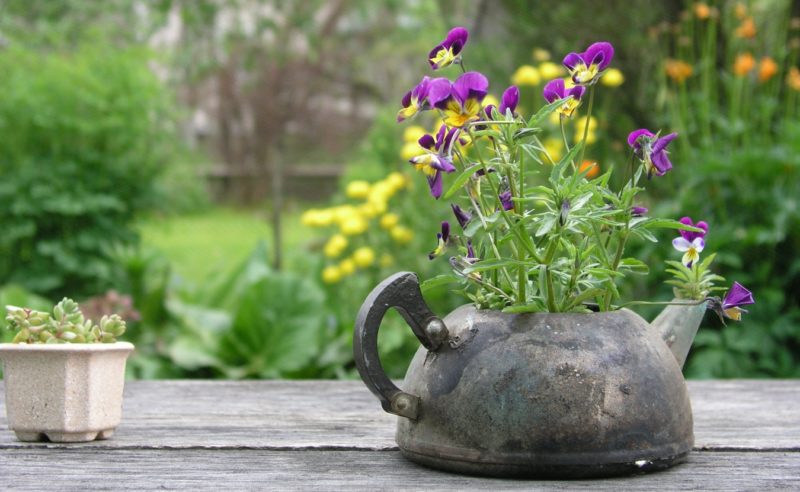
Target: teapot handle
x: 400, y: 291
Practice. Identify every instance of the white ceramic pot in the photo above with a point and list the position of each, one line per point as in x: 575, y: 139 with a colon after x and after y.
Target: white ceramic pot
x: 64, y: 392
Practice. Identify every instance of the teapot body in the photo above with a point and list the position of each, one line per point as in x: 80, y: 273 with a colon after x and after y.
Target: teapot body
x: 547, y: 395
x: 556, y: 395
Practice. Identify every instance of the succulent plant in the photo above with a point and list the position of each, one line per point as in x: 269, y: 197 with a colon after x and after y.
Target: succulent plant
x: 66, y: 325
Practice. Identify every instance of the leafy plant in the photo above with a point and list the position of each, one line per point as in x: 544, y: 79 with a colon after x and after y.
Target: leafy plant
x: 66, y: 325
x: 85, y: 136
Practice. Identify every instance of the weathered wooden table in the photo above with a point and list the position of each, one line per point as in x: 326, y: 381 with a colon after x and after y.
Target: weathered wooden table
x: 332, y: 435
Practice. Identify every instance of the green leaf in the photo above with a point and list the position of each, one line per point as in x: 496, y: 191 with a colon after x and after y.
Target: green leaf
x: 546, y: 225
x: 544, y: 112
x: 494, y: 264
x: 665, y: 224
x: 436, y: 282
x: 634, y: 266
x: 558, y: 169
x: 462, y: 178
x: 525, y: 132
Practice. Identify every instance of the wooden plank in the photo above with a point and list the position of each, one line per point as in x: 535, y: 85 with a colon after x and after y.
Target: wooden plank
x: 753, y: 415
x: 199, y: 469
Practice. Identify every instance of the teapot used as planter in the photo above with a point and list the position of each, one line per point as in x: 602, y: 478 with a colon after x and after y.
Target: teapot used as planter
x: 534, y: 394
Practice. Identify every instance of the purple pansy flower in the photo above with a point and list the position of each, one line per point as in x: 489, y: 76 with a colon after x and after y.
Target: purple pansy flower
x: 449, y: 50
x: 505, y: 200
x: 652, y: 150
x: 415, y: 100
x: 690, y: 243
x: 731, y: 305
x: 462, y: 216
x: 556, y: 89
x: 441, y: 241
x: 460, y: 102
x: 638, y: 211
x: 437, y: 158
x: 585, y: 68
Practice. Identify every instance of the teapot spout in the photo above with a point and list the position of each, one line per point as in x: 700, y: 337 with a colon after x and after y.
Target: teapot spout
x: 677, y: 325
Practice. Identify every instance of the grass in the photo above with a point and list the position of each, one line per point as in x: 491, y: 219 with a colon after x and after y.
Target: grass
x: 203, y: 244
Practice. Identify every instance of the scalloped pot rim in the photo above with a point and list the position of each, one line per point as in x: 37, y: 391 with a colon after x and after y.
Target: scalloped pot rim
x: 66, y: 347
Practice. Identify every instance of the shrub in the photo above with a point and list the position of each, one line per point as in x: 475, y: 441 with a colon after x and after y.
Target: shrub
x: 85, y: 134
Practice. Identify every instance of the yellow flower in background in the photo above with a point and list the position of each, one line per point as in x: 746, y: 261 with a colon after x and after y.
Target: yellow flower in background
x: 364, y: 257
x: 591, y: 137
x: 678, y: 70
x: 317, y: 218
x: 388, y: 221
x: 331, y: 274
x: 549, y: 70
x: 793, y: 79
x: 580, y: 123
x: 410, y: 150
x: 335, y: 245
x: 490, y: 99
x: 747, y: 29
x: 541, y: 55
x: 743, y: 64
x: 554, y: 118
x: 397, y: 181
x: 347, y: 267
x: 740, y: 11
x: 401, y: 234
x: 554, y: 148
x: 354, y: 226
x: 612, y: 78
x: 412, y: 133
x: 386, y: 260
x: 767, y: 69
x: 526, y: 75
x: 357, y: 189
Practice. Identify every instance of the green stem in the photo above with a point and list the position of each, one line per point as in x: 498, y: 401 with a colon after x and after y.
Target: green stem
x: 586, y: 126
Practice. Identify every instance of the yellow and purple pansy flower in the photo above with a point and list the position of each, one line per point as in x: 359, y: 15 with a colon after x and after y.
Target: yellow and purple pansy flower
x: 731, y: 305
x: 651, y: 150
x: 449, y: 51
x: 556, y: 89
x: 441, y: 241
x: 690, y: 243
x: 437, y: 157
x: 415, y: 100
x: 460, y: 101
x: 586, y: 68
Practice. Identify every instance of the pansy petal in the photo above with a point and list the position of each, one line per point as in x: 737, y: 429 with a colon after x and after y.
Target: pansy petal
x: 600, y: 53
x: 738, y: 295
x: 572, y: 60
x: 663, y: 142
x: 435, y: 184
x: 661, y: 162
x: 681, y: 244
x: 510, y: 100
x: 576, y: 92
x: 439, y: 90
x: 554, y: 90
x: 633, y: 137
x: 698, y: 244
x: 470, y: 85
x: 426, y: 142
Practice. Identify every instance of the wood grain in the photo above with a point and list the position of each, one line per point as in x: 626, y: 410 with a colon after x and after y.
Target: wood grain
x: 331, y: 435
x: 256, y: 469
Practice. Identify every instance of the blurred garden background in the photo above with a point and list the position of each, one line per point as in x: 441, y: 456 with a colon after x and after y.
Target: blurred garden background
x: 229, y: 174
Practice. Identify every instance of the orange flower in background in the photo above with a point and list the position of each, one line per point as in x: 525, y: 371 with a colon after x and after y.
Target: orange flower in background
x: 747, y: 29
x: 744, y: 64
x: 793, y: 79
x: 591, y: 168
x: 702, y: 11
x: 767, y: 69
x: 678, y: 70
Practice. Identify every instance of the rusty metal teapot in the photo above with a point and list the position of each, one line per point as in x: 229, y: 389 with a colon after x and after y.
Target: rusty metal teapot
x: 534, y: 395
